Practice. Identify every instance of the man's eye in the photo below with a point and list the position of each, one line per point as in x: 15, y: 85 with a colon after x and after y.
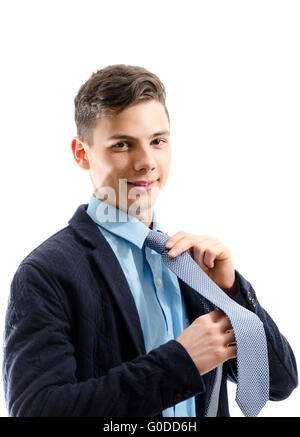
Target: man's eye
x: 121, y: 144
x: 118, y: 144
x: 159, y: 139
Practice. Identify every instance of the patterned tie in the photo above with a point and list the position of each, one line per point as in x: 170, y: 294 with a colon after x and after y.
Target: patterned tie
x: 252, y: 353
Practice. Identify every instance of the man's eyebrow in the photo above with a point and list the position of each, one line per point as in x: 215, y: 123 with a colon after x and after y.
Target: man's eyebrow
x: 129, y: 137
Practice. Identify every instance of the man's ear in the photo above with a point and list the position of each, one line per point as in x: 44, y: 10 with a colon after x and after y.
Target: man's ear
x: 79, y: 152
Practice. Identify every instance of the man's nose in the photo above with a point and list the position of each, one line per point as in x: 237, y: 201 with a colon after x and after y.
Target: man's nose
x: 144, y: 159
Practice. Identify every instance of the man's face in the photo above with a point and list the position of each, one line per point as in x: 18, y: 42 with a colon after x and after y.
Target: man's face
x: 144, y: 158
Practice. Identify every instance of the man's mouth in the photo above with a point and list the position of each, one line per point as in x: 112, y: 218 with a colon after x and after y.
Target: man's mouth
x: 143, y: 185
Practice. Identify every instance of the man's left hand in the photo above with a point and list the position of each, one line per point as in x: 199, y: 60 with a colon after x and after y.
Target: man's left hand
x: 209, y: 253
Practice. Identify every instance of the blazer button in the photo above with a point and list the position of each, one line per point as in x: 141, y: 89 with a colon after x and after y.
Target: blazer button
x: 178, y: 397
x: 251, y: 299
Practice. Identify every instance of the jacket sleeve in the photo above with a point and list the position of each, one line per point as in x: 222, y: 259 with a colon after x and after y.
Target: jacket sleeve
x: 39, y: 362
x: 282, y: 363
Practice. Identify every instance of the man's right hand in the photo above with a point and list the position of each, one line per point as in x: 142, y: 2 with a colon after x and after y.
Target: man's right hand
x: 207, y: 341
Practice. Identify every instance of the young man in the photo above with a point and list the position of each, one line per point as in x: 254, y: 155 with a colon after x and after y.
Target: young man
x: 96, y: 324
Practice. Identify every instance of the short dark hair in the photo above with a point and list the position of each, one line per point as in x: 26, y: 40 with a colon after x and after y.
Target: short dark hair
x: 112, y: 89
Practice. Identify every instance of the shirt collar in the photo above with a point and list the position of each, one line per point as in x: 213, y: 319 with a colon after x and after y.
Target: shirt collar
x: 120, y: 223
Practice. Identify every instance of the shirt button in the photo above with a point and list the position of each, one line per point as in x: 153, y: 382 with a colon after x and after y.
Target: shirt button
x: 158, y: 281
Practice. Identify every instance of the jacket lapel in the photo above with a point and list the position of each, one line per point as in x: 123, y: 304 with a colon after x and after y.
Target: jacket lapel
x: 111, y: 270
x: 194, y: 306
x: 103, y: 257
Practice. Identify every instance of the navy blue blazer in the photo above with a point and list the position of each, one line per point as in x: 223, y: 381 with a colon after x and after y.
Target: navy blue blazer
x: 73, y: 343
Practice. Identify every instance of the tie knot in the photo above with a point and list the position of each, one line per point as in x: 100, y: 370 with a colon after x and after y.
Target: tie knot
x: 156, y: 240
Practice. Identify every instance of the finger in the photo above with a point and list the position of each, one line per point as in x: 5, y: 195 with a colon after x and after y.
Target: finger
x: 218, y: 315
x: 178, y: 244
x: 224, y: 323
x: 229, y: 338
x: 206, y: 252
x: 198, y: 255
x: 174, y: 238
x: 231, y: 351
x: 212, y: 252
x: 182, y: 245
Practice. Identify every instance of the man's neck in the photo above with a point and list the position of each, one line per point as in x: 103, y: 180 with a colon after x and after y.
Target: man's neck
x: 146, y: 217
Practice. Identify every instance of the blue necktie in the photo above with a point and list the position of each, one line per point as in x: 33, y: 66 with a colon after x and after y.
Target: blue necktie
x: 252, y: 353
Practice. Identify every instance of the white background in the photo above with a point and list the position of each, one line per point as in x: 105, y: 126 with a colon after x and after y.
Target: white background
x: 231, y: 70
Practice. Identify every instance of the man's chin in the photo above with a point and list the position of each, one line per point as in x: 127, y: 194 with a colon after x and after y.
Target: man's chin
x: 139, y: 202
x: 137, y: 208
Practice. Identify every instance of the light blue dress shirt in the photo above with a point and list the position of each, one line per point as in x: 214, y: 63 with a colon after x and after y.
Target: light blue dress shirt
x: 154, y: 287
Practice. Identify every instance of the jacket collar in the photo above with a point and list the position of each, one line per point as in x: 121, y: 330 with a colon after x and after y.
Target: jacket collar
x: 120, y: 223
x: 84, y: 227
